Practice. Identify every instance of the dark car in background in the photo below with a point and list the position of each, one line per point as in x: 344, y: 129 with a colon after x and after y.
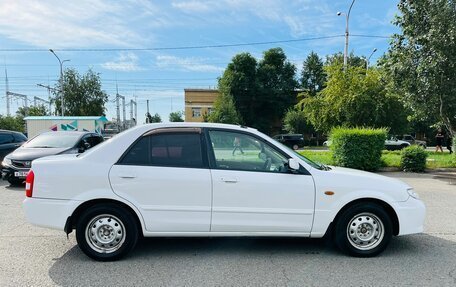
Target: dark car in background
x: 16, y: 165
x: 293, y: 141
x: 9, y: 141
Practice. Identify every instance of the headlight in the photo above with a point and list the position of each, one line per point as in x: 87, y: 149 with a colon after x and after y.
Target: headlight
x: 412, y: 193
x: 6, y: 161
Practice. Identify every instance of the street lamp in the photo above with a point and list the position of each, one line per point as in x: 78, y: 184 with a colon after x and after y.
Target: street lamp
x: 347, y: 17
x: 61, y: 78
x: 367, y: 60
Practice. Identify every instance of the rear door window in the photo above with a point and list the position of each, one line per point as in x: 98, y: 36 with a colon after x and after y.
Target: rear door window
x: 6, y: 138
x: 166, y: 149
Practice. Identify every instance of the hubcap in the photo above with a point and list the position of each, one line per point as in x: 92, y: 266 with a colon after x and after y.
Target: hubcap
x: 365, y: 231
x: 105, y: 233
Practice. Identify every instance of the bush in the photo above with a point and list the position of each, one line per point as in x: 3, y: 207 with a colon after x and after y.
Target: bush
x: 359, y: 148
x: 413, y: 158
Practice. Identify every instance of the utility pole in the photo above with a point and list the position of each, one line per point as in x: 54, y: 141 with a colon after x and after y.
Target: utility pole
x: 24, y: 97
x: 118, y: 97
x: 347, y: 18
x: 368, y: 59
x: 7, y: 95
x: 132, y: 102
x: 49, y: 88
x: 62, y: 92
x: 147, y: 113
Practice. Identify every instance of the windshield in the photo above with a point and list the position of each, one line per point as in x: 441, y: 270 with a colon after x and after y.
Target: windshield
x: 51, y: 140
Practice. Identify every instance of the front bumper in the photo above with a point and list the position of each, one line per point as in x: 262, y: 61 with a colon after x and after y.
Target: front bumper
x: 8, y: 172
x: 50, y: 213
x: 411, y: 214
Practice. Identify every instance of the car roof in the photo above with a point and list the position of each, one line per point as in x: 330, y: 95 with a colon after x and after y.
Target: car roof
x: 8, y: 131
x: 80, y: 133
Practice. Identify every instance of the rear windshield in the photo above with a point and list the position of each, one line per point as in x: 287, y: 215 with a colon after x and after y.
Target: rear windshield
x: 50, y: 140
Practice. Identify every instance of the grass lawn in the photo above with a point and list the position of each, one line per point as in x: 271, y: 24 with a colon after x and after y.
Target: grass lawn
x: 389, y: 158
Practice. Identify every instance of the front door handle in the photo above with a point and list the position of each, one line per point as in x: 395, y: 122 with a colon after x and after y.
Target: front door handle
x: 127, y: 176
x: 229, y: 180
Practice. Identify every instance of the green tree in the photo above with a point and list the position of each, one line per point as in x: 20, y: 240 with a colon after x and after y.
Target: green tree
x: 353, y: 98
x: 176, y: 116
x: 224, y: 111
x: 83, y: 94
x: 422, y: 58
x: 352, y: 60
x: 153, y: 119
x: 261, y: 91
x: 295, y: 122
x: 39, y: 110
x: 313, y: 76
x: 12, y: 123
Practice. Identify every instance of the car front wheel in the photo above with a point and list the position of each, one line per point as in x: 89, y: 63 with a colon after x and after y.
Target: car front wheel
x: 363, y: 230
x: 106, y: 232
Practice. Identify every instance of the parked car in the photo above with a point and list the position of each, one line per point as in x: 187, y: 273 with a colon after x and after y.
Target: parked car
x: 182, y: 179
x: 16, y: 165
x: 293, y: 141
x: 9, y: 141
x: 411, y: 140
x: 395, y: 144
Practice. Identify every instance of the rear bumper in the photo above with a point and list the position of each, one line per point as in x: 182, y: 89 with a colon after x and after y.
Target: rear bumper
x: 50, y: 213
x: 411, y: 214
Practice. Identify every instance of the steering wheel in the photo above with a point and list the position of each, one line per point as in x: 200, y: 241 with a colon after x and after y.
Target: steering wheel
x: 267, y: 164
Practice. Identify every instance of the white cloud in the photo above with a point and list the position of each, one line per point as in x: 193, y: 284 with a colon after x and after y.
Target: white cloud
x: 73, y: 24
x: 125, y: 62
x: 186, y: 64
x: 193, y: 6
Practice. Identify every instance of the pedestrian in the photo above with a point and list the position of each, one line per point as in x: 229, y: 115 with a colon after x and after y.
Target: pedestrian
x: 237, y: 145
x: 439, y: 140
x: 450, y: 144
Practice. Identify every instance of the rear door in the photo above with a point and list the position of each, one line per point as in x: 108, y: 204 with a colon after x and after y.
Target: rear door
x: 165, y: 174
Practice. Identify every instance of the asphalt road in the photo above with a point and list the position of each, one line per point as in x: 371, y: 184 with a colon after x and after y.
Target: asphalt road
x: 40, y: 257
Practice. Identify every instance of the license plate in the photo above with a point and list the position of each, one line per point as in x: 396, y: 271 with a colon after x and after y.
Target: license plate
x: 20, y: 173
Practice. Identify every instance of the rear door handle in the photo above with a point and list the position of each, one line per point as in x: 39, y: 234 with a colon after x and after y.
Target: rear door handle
x: 229, y: 180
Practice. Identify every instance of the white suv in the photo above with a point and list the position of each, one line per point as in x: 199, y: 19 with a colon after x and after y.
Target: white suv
x: 199, y: 179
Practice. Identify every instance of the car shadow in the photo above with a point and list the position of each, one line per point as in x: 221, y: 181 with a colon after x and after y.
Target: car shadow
x: 261, y: 261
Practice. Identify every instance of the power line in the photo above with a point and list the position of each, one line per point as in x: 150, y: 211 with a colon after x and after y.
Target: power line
x: 186, y: 47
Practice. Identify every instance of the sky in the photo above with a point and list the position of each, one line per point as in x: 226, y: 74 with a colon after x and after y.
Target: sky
x: 153, y: 50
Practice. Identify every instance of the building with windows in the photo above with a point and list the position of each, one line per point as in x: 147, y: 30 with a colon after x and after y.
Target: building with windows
x: 198, y: 103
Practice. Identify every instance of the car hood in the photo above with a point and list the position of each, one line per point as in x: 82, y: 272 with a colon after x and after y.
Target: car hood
x: 24, y: 153
x: 347, y: 180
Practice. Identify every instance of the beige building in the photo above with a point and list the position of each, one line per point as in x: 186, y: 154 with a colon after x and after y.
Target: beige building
x: 199, y: 102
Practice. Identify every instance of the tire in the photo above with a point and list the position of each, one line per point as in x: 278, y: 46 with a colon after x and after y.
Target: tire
x: 403, y: 146
x: 13, y: 181
x: 116, y: 232
x: 363, y: 230
x: 295, y: 147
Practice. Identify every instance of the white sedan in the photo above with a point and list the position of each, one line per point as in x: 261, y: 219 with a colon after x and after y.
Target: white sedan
x: 199, y: 179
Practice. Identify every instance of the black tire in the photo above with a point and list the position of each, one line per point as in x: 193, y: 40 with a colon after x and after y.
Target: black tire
x: 13, y: 181
x: 379, y: 219
x: 295, y: 147
x: 125, y: 224
x: 403, y: 146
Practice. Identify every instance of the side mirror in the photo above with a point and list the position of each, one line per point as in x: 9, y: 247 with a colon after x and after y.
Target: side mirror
x: 293, y: 164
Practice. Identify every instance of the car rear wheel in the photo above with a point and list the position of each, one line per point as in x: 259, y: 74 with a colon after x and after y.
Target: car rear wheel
x: 295, y: 147
x: 363, y: 230
x: 106, y: 232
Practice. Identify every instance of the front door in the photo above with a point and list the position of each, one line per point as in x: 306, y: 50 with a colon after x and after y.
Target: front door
x: 253, y: 190
x: 165, y: 175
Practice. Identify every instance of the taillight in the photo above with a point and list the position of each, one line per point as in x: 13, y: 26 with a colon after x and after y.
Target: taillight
x: 29, y: 183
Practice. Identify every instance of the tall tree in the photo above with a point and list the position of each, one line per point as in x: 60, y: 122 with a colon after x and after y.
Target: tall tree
x: 354, y: 98
x: 240, y: 81
x: 352, y: 60
x: 422, y: 58
x: 277, y: 85
x: 313, y: 76
x: 39, y: 110
x: 176, y: 116
x: 83, y: 95
x: 153, y: 119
